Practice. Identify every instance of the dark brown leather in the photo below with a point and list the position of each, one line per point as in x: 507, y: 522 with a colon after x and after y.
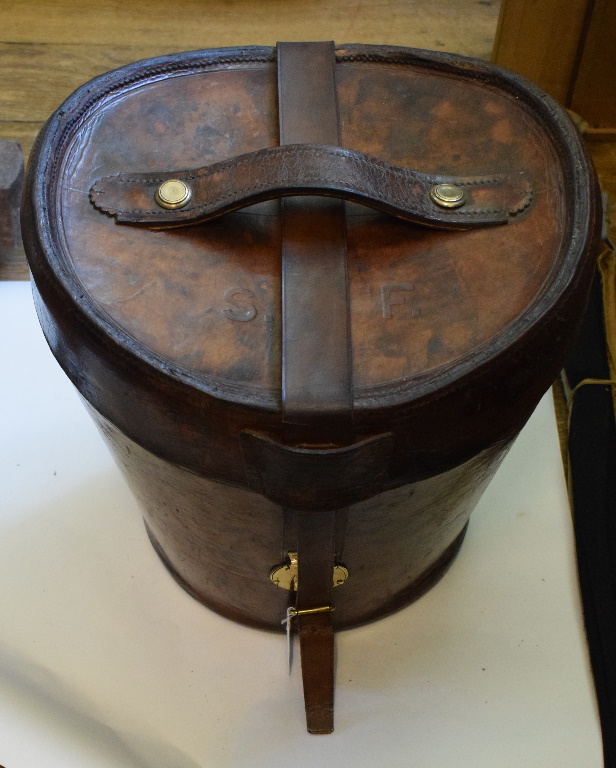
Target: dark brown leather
x: 221, y: 541
x: 173, y: 336
x: 311, y: 169
x: 316, y: 362
x: 316, y: 478
x: 315, y: 547
x: 444, y: 322
x: 317, y: 392
x: 316, y: 352
x: 316, y: 643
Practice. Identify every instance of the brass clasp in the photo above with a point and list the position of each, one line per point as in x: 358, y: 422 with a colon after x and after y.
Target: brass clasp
x: 285, y: 576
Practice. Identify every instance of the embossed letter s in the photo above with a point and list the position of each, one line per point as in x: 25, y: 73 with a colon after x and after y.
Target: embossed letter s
x: 244, y: 311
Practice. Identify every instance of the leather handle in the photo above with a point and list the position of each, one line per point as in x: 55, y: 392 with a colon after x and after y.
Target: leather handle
x: 310, y: 169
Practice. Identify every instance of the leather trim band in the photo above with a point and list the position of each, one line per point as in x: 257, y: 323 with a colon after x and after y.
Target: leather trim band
x: 311, y: 168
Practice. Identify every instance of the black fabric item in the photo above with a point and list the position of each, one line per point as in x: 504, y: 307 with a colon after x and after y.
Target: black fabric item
x: 592, y: 454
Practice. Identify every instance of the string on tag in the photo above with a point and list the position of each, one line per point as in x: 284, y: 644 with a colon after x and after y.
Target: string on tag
x: 291, y: 614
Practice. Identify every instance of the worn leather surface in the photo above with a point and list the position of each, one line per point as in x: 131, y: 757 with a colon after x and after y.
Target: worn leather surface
x: 221, y: 541
x: 309, y: 169
x: 174, y: 336
x: 316, y: 478
x: 316, y: 350
x: 316, y: 642
x: 316, y: 359
x: 315, y: 550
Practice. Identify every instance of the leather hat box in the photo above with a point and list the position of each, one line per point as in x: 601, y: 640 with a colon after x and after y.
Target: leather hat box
x: 310, y: 295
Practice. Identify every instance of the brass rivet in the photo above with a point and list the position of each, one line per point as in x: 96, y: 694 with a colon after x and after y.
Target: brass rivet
x: 447, y: 195
x: 172, y: 194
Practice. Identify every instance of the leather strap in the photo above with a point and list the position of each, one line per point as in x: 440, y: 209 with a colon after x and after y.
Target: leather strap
x: 317, y: 397
x: 315, y: 564
x: 316, y: 364
x: 316, y: 350
x: 311, y: 169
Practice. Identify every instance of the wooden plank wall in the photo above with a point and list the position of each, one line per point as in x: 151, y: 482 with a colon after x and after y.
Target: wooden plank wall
x: 594, y: 92
x: 540, y: 41
x: 50, y: 47
x: 567, y: 48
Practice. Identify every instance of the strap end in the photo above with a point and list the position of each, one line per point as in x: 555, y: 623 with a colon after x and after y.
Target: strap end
x: 316, y: 638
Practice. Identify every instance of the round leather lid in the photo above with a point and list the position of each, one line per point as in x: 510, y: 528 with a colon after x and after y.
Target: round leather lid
x: 204, y: 300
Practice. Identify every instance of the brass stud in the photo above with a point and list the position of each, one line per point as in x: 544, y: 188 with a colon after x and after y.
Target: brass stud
x: 447, y: 195
x: 172, y: 194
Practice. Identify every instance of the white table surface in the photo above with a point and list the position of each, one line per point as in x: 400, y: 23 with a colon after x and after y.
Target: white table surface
x: 106, y: 663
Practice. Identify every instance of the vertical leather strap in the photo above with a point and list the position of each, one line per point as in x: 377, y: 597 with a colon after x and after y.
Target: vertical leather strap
x: 316, y: 365
x: 316, y: 350
x: 315, y: 565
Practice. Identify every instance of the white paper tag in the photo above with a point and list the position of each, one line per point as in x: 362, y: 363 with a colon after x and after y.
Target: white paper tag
x: 291, y: 614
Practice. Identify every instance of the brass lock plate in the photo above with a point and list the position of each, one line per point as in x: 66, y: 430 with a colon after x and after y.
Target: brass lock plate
x: 285, y: 576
